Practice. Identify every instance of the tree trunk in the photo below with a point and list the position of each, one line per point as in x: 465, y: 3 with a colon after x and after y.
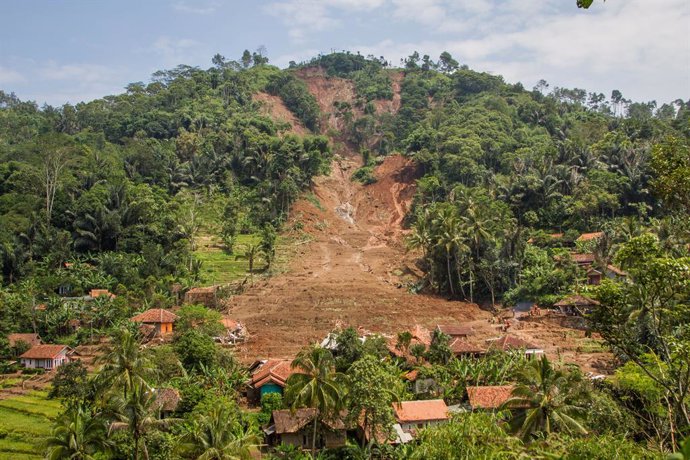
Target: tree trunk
x: 450, y: 275
x: 313, y: 438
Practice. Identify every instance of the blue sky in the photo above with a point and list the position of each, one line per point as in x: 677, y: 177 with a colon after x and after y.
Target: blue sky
x: 69, y: 51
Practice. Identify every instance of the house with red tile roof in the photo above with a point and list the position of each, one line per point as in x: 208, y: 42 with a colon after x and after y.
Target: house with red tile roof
x: 462, y: 347
x: 270, y: 377
x: 489, y: 397
x: 46, y: 356
x: 510, y: 343
x: 162, y: 320
x: 415, y: 415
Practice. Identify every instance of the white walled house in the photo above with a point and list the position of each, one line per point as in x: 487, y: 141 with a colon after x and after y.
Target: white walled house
x: 46, y: 357
x: 416, y: 415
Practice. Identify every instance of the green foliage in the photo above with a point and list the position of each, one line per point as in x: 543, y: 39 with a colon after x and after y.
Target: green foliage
x: 365, y: 175
x: 199, y: 318
x: 70, y: 383
x: 297, y: 98
x: 195, y: 350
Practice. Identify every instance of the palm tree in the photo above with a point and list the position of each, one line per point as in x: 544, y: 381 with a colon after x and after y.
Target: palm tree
x: 78, y: 436
x: 124, y: 366
x: 251, y: 252
x: 315, y: 384
x: 546, y: 399
x: 136, y: 413
x: 218, y: 436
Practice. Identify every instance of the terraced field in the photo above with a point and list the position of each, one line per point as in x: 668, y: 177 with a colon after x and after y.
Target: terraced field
x: 25, y: 422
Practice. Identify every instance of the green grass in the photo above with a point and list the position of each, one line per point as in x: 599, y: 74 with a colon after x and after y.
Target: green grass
x: 28, y: 421
x: 219, y: 267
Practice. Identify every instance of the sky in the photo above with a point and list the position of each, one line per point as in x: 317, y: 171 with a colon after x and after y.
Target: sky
x: 58, y: 51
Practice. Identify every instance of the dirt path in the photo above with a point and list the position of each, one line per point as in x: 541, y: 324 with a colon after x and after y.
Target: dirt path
x: 351, y: 273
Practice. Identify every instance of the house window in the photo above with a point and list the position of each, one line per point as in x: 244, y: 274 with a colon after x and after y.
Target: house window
x: 420, y: 425
x: 304, y: 439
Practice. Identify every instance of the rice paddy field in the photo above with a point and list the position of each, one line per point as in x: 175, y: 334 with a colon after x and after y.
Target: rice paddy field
x: 25, y: 422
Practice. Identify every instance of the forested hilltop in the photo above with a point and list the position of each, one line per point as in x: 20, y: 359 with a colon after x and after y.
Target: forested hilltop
x: 499, y: 196
x: 117, y: 178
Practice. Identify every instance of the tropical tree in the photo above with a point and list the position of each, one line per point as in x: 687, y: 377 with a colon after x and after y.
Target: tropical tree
x: 124, y: 365
x: 315, y: 384
x: 218, y: 436
x: 136, y: 413
x: 547, y: 399
x: 78, y: 435
x: 371, y: 391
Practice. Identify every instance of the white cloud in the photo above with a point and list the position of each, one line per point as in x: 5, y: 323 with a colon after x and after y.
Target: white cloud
x: 304, y: 17
x: 9, y: 76
x: 640, y: 47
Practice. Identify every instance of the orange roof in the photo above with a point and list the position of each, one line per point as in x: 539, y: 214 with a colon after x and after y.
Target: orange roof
x: 418, y: 411
x: 273, y: 371
x: 44, y: 351
x: 459, y: 346
x: 155, y: 315
x: 509, y: 342
x: 99, y: 292
x: 455, y: 329
x: 590, y: 236
x: 491, y: 397
x: 29, y: 338
x: 576, y: 300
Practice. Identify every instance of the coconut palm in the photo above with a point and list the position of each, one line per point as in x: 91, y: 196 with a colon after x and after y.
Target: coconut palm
x: 137, y: 413
x: 124, y: 365
x: 315, y: 384
x: 77, y: 436
x: 218, y: 436
x: 546, y: 399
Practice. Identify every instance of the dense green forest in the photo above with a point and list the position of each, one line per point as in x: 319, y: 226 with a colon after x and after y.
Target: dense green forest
x: 112, y: 194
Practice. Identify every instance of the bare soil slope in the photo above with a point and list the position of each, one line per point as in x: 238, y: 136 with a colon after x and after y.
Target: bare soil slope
x: 355, y: 269
x: 351, y: 273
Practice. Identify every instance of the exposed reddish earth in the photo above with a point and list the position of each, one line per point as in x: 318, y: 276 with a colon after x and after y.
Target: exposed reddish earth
x: 355, y: 269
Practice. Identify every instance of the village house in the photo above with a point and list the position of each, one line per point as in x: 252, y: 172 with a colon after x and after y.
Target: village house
x: 29, y: 339
x: 488, y: 397
x: 510, y: 343
x: 576, y: 305
x: 207, y: 296
x: 594, y: 276
x: 166, y: 402
x: 295, y: 428
x: 46, y: 356
x: 269, y: 377
x: 420, y: 335
x: 463, y: 348
x: 416, y: 415
x: 161, y: 320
